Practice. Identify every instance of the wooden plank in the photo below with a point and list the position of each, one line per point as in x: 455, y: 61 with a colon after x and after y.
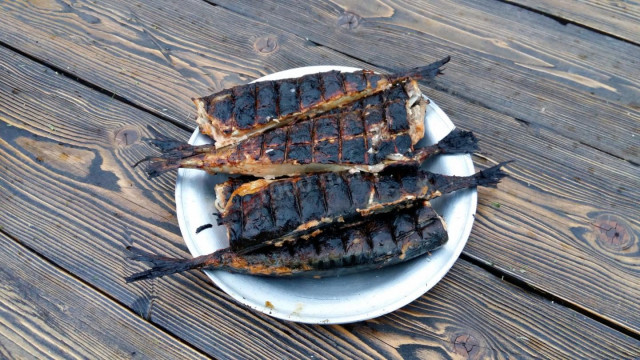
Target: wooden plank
x: 617, y: 18
x: 82, y: 224
x: 156, y: 55
x: 46, y: 313
x: 506, y: 58
x: 69, y: 192
x: 491, y: 319
x: 581, y: 170
x: 549, y: 224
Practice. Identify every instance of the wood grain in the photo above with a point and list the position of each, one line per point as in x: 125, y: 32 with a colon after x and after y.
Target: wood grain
x: 618, y: 18
x: 48, y: 314
x: 544, y: 225
x: 157, y: 54
x: 519, y: 325
x: 82, y: 224
x: 503, y: 57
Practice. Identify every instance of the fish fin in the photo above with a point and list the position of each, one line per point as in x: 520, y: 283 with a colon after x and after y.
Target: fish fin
x: 488, y: 178
x: 423, y: 72
x: 160, y: 165
x: 165, y: 143
x: 173, y: 153
x: 491, y: 177
x: 162, y: 265
x: 458, y: 142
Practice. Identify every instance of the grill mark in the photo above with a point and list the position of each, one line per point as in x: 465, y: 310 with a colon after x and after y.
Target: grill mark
x: 296, y: 195
x: 232, y: 120
x: 344, y: 247
x: 255, y: 106
x: 367, y: 238
x: 349, y: 195
x: 323, y: 190
x: 272, y: 212
x: 365, y: 134
x: 344, y: 88
x: 321, y: 87
x: 276, y: 89
x: 298, y: 94
x: 286, y: 144
x: 340, y: 138
x: 317, y: 250
x: 242, y: 220
x: 314, y: 141
x: 393, y: 235
x: 392, y: 137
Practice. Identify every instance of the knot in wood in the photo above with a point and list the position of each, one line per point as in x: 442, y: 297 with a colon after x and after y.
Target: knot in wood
x: 349, y: 20
x: 467, y: 345
x: 126, y: 137
x: 613, y: 233
x: 266, y: 44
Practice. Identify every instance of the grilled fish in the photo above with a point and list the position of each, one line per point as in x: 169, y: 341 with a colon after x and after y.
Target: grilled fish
x: 361, y: 133
x: 368, y: 136
x: 274, y: 212
x: 246, y: 110
x: 373, y: 243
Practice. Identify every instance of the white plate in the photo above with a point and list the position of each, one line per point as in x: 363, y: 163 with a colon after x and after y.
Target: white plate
x: 341, y: 299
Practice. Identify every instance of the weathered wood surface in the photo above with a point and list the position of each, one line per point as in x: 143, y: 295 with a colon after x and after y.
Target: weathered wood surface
x: 566, y: 221
x: 505, y: 58
x: 47, y: 313
x: 67, y: 187
x: 158, y: 54
x: 617, y: 18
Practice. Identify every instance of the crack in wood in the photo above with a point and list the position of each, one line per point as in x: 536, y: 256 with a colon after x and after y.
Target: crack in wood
x: 522, y: 284
x: 565, y: 21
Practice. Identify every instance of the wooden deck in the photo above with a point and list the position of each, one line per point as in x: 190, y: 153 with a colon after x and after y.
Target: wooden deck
x: 552, y: 267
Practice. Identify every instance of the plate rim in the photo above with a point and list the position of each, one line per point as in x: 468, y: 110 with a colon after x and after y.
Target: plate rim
x: 400, y: 302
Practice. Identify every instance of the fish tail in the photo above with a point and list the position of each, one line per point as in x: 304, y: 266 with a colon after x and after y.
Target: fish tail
x: 165, y: 143
x: 175, y: 154
x: 458, y: 142
x: 491, y: 177
x: 423, y: 72
x: 488, y: 178
x: 160, y: 165
x: 162, y: 265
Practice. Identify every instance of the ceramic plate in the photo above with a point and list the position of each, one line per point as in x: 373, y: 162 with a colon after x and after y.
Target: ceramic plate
x: 340, y: 299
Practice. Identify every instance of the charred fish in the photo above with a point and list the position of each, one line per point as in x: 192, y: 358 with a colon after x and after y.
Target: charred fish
x: 246, y: 110
x: 367, y: 136
x: 376, y: 242
x: 274, y: 212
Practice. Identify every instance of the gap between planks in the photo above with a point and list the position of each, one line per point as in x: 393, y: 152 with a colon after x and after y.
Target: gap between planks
x: 102, y: 293
x: 511, y: 279
x: 565, y: 21
x: 95, y: 87
x: 492, y: 270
